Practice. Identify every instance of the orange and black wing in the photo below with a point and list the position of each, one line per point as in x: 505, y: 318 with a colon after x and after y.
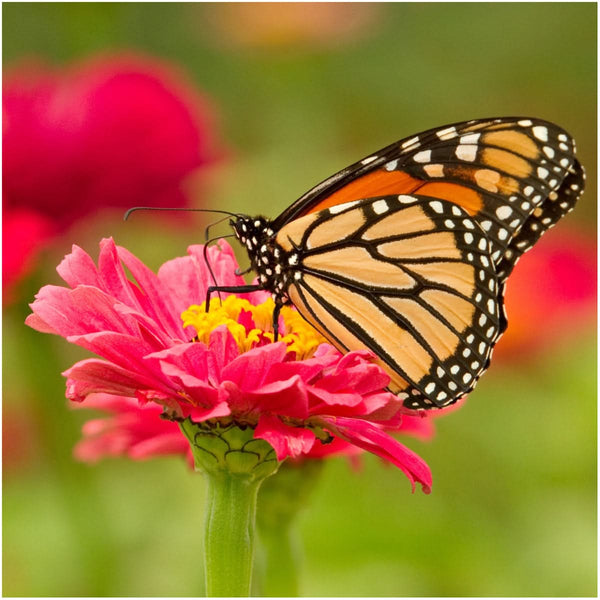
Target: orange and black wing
x: 515, y: 176
x: 408, y: 277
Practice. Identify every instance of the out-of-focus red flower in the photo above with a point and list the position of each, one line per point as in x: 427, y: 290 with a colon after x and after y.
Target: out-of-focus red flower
x: 24, y: 233
x: 115, y: 131
x: 551, y: 294
x: 221, y: 365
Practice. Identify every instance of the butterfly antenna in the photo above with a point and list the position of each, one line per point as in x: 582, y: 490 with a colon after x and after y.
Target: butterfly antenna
x: 178, y: 209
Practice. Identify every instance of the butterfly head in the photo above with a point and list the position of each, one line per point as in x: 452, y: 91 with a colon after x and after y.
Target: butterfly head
x: 258, y: 236
x: 252, y: 232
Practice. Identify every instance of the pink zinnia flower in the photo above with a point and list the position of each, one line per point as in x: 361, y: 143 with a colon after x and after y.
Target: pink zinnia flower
x: 297, y: 394
x: 114, y: 131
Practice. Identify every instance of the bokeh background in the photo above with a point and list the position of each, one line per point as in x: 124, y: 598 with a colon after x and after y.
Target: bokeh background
x: 244, y: 107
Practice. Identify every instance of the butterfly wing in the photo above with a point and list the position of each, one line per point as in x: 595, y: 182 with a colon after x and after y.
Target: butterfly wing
x: 408, y: 277
x: 515, y: 176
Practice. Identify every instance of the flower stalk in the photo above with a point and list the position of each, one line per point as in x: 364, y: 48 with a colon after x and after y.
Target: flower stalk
x: 282, y: 498
x: 235, y: 465
x: 229, y: 534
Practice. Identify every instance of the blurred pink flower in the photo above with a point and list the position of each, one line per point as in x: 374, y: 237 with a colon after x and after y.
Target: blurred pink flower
x: 556, y: 280
x: 133, y: 429
x: 295, y: 393
x: 114, y: 131
x: 24, y: 233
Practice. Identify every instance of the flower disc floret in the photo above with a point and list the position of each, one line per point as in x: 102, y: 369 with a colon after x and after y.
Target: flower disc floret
x: 251, y: 325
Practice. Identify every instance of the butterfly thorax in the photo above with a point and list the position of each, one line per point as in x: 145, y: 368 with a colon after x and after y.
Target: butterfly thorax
x: 266, y: 256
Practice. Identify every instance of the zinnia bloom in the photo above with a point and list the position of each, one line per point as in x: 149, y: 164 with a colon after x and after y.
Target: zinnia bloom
x: 160, y: 346
x: 114, y: 131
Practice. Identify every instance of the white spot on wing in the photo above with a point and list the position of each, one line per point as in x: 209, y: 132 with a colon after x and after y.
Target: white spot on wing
x: 404, y: 199
x: 471, y: 138
x: 466, y: 152
x: 437, y: 206
x: 334, y: 210
x: 422, y: 157
x: 410, y: 142
x: 540, y: 132
x: 503, y: 212
x: 446, y: 134
x: 380, y: 206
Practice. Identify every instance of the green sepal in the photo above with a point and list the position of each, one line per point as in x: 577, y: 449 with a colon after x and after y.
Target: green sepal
x: 231, y: 448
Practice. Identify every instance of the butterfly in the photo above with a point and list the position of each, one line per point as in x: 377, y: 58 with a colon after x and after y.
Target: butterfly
x: 406, y: 253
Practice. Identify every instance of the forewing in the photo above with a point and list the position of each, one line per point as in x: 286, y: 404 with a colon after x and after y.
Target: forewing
x: 408, y: 277
x: 515, y: 176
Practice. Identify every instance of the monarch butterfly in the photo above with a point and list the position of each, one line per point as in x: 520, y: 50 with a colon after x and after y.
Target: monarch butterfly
x: 407, y: 252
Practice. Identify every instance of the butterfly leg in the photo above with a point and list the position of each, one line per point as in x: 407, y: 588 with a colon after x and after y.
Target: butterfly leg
x: 276, y: 312
x: 238, y: 289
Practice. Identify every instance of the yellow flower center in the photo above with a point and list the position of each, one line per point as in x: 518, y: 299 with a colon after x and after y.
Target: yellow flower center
x: 299, y: 336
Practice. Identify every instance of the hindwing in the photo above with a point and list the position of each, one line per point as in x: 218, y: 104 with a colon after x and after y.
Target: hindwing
x: 408, y: 277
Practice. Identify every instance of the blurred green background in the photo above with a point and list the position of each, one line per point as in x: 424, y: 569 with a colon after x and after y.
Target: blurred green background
x: 513, y: 508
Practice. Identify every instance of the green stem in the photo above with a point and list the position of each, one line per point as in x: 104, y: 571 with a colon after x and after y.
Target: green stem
x: 281, y: 499
x: 229, y: 533
x: 280, y: 562
x: 235, y: 464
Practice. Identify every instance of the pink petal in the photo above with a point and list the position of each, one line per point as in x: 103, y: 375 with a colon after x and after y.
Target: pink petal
x: 286, y: 398
x: 93, y: 376
x: 80, y: 311
x: 286, y: 440
x: 367, y: 436
x: 127, y: 352
x: 78, y: 268
x: 112, y: 275
x: 154, y: 298
x: 193, y: 359
x: 356, y: 372
x: 36, y: 322
x: 307, y: 370
x: 322, y: 401
x: 198, y: 390
x: 248, y: 371
x: 224, y: 349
